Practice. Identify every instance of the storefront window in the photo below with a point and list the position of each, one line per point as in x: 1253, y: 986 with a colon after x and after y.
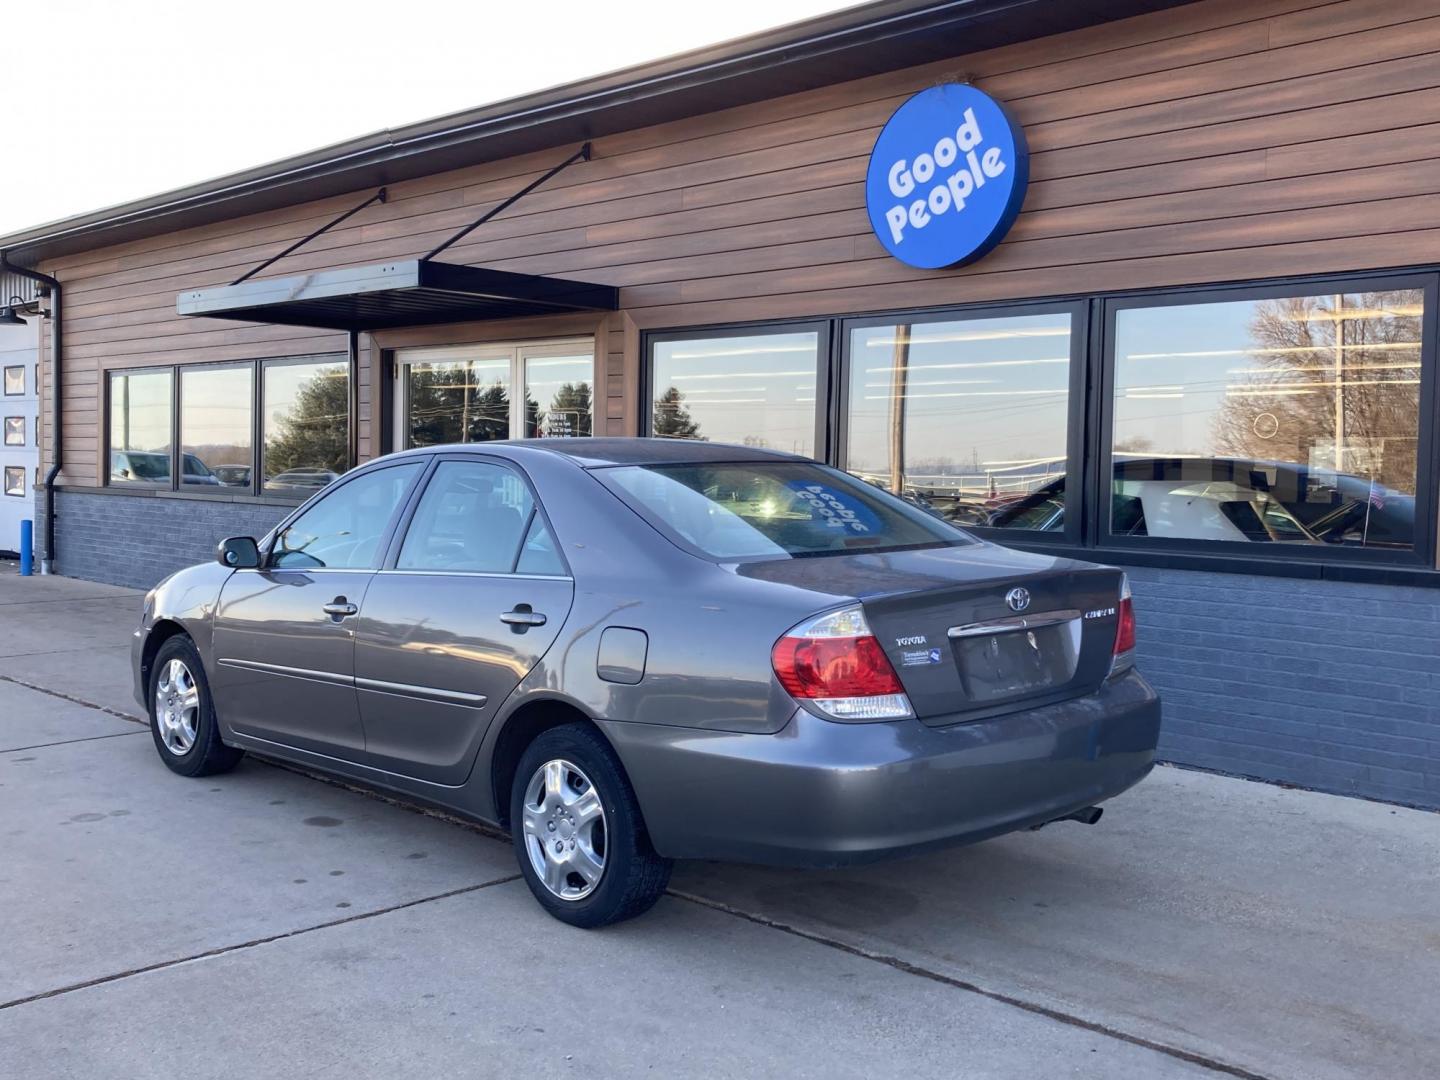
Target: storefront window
x: 216, y: 427
x: 457, y: 401
x: 305, y: 425
x: 1292, y: 420
x: 558, y: 395
x: 968, y: 418
x: 755, y: 390
x: 14, y: 431
x: 14, y: 480
x: 140, y: 421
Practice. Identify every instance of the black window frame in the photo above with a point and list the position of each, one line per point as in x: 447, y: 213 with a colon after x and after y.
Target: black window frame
x: 23, y: 425
x: 257, y: 469
x: 825, y: 364
x: 1101, y: 466
x: 222, y: 490
x: 19, y: 470
x: 107, y: 472
x: 4, y: 377
x: 1090, y: 423
x: 1075, y: 432
x: 256, y: 489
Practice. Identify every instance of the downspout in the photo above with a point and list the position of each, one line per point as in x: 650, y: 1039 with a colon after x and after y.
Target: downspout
x: 57, y: 426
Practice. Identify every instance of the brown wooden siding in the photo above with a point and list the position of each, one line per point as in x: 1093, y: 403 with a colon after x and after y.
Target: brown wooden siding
x: 1227, y: 139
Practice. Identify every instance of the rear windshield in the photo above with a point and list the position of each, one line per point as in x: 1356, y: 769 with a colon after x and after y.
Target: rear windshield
x: 765, y: 510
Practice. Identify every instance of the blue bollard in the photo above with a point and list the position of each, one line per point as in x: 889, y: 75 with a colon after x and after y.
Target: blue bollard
x: 27, y: 547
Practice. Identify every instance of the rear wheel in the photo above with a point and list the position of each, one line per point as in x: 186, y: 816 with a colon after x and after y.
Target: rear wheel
x: 182, y: 716
x: 578, y: 835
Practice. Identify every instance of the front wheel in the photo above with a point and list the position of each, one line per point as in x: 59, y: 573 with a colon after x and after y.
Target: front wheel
x: 578, y: 834
x: 182, y: 715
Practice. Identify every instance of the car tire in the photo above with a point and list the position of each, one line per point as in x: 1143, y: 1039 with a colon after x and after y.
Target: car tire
x: 562, y: 777
x: 182, y: 714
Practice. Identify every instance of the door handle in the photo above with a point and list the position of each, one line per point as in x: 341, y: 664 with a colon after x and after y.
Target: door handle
x: 522, y: 616
x: 339, y: 608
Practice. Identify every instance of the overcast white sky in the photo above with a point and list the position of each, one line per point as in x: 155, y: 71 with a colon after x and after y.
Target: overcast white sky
x: 111, y: 101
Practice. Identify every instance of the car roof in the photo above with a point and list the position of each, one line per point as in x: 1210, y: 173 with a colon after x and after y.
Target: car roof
x: 589, y: 452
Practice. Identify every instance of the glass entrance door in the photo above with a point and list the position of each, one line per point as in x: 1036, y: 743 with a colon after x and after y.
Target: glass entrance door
x: 559, y: 391
x: 468, y: 393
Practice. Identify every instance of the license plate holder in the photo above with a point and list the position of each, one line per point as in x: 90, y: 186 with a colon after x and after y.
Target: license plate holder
x: 1016, y: 662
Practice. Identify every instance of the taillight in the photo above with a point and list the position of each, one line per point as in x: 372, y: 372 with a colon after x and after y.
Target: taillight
x: 834, y: 664
x: 1124, y: 653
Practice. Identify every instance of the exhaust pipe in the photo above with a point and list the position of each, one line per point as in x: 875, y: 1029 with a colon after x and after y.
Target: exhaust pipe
x: 1086, y: 815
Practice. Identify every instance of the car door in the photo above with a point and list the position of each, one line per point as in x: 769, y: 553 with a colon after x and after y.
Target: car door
x: 285, y: 634
x: 473, y: 595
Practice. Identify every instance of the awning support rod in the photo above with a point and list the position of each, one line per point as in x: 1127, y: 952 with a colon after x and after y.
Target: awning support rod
x: 583, y: 154
x: 379, y: 196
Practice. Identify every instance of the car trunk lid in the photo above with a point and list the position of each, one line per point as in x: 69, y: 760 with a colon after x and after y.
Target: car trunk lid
x: 961, y: 649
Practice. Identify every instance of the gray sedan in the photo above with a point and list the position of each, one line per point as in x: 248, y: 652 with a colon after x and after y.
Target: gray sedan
x: 628, y: 651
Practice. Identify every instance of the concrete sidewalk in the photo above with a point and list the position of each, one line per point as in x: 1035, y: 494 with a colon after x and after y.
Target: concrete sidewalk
x: 263, y: 923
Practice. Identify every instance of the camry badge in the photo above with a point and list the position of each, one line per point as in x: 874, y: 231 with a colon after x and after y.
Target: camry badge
x: 1018, y: 599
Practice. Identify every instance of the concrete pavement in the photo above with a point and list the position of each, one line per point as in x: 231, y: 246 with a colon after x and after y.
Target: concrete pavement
x: 263, y: 923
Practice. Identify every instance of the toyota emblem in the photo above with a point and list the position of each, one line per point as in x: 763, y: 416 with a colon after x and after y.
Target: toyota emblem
x: 1018, y: 599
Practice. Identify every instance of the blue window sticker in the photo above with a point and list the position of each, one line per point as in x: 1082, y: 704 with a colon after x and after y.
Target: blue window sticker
x: 837, y: 509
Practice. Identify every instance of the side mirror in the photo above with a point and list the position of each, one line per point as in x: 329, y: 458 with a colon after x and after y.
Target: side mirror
x: 239, y: 553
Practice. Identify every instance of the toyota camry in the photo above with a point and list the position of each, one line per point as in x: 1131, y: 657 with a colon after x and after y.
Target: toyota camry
x: 631, y: 651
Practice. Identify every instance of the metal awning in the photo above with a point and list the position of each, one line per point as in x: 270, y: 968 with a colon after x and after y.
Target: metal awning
x: 411, y: 292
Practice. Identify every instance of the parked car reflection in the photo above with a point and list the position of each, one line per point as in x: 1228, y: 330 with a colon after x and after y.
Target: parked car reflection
x: 948, y: 498
x: 153, y: 467
x: 233, y: 475
x: 301, y: 480
x: 1237, y: 499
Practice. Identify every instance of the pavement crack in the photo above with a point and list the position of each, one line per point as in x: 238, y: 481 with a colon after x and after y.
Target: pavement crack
x: 73, y: 700
x: 224, y: 950
x: 908, y: 968
x: 67, y: 742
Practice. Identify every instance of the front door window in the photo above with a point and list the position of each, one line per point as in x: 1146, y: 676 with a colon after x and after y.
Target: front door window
x: 344, y: 529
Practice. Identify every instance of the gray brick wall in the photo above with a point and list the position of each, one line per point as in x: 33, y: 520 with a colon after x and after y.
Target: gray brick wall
x: 1328, y: 685
x: 136, y: 540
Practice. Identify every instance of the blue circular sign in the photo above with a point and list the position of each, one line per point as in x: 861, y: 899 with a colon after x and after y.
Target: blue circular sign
x: 947, y: 177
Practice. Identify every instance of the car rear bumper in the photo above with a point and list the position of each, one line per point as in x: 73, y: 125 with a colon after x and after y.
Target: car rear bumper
x: 819, y: 793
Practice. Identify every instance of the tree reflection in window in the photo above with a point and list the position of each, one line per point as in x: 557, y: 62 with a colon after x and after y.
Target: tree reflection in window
x: 1335, y: 377
x: 306, y: 421
x: 672, y: 420
x: 460, y: 402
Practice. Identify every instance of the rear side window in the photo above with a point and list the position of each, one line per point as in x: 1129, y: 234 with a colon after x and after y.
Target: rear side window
x: 472, y: 518
x: 765, y: 510
x: 539, y: 556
